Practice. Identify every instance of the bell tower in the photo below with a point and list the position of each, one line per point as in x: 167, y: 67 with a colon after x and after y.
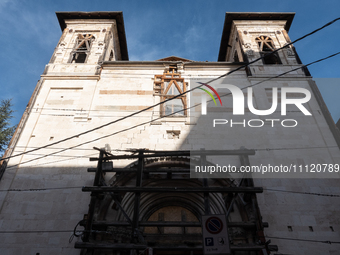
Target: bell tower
x: 88, y: 39
x: 248, y: 36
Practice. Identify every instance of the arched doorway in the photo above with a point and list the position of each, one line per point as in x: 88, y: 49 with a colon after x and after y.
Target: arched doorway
x: 134, y: 218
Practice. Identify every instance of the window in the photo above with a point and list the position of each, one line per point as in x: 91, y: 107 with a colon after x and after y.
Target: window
x: 111, y: 58
x: 82, y: 48
x: 266, y: 46
x: 167, y: 86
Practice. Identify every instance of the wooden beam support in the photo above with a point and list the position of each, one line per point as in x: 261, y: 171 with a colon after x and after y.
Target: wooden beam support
x: 174, y: 189
x: 135, y: 220
x: 88, y: 226
x: 152, y: 154
x: 128, y: 246
x: 146, y: 170
x: 172, y: 224
x: 121, y: 208
x: 205, y: 185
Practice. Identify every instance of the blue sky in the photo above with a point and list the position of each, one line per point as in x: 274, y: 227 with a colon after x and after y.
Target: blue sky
x: 156, y: 29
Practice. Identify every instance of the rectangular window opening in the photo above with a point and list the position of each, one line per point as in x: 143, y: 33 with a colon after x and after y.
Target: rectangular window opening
x: 79, y: 57
x: 270, y: 58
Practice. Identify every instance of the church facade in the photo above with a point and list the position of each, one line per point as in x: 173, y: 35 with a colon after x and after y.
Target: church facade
x: 263, y: 154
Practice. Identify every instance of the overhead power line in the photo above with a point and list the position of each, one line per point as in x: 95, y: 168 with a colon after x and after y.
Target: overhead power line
x: 62, y: 156
x: 303, y: 240
x: 41, y: 189
x: 60, y: 148
x: 62, y: 160
x: 83, y: 231
x: 148, y: 122
x: 282, y: 74
x: 80, y: 187
x: 55, y: 148
x: 34, y: 231
x: 302, y: 192
x: 148, y: 108
x: 296, y: 148
x: 77, y: 157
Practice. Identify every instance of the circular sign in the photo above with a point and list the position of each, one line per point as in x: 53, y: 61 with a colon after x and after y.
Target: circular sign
x: 214, y: 225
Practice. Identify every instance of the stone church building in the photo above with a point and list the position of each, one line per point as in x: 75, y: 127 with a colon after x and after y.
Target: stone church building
x: 95, y: 169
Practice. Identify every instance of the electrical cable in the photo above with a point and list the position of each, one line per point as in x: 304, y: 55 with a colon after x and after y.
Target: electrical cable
x: 75, y: 233
x: 61, y: 160
x: 296, y: 148
x: 62, y: 156
x: 25, y: 147
x: 301, y: 192
x: 54, y: 148
x: 150, y: 107
x: 41, y: 189
x: 277, y: 76
x: 76, y: 157
x: 148, y: 122
x: 81, y: 232
x: 76, y: 110
x: 35, y: 231
x: 79, y: 187
x: 303, y: 240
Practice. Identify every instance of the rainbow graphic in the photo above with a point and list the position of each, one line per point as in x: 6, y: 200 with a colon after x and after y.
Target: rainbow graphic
x: 211, y: 95
x: 204, y: 100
